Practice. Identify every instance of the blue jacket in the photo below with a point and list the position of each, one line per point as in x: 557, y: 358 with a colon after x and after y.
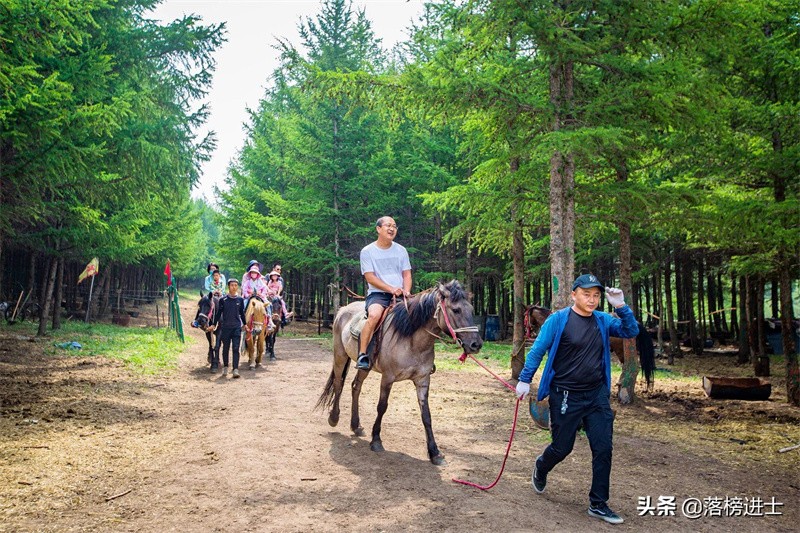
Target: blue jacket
x: 550, y: 335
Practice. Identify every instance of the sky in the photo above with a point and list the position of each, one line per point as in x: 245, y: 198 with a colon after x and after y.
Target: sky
x: 247, y: 59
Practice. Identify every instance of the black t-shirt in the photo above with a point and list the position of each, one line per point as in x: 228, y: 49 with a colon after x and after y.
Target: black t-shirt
x: 230, y: 312
x: 578, y: 364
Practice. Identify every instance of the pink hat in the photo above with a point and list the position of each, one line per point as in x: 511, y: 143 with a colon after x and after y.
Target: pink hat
x: 254, y: 268
x: 273, y: 273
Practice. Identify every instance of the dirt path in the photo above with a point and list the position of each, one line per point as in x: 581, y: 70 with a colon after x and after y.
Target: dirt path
x: 195, y: 451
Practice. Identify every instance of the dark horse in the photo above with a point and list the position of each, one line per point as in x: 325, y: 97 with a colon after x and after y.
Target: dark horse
x: 406, y: 352
x: 206, y: 308
x: 272, y: 335
x: 535, y: 315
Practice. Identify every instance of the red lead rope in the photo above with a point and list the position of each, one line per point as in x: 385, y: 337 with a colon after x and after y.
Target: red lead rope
x: 510, y: 438
x: 501, y: 380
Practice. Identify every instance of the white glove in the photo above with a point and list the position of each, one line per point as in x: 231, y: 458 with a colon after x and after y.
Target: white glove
x: 615, y: 297
x: 523, y: 389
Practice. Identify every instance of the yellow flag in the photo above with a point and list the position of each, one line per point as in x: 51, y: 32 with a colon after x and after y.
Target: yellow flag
x: 91, y: 269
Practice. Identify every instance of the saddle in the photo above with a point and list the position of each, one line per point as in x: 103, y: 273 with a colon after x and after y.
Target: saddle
x: 356, y: 325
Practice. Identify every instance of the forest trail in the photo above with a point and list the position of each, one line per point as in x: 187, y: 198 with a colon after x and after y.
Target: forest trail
x: 195, y: 451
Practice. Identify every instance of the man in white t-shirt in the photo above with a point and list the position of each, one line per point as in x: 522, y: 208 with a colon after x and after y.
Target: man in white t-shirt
x: 387, y: 269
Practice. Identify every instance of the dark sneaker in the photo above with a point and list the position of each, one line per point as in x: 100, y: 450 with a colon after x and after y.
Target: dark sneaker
x: 363, y: 362
x: 604, y: 513
x: 538, y: 480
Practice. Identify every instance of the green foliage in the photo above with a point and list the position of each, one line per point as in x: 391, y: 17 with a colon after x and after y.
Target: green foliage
x: 97, y: 154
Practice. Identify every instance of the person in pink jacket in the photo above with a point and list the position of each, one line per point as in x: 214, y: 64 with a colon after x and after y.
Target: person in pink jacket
x: 254, y: 285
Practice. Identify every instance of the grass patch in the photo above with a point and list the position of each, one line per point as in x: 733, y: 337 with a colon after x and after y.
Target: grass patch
x: 145, y: 350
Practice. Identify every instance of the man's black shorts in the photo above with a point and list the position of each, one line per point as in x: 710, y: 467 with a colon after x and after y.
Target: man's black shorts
x: 383, y: 298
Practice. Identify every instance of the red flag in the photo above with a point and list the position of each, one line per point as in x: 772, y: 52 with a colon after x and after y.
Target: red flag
x: 91, y: 269
x: 168, y: 273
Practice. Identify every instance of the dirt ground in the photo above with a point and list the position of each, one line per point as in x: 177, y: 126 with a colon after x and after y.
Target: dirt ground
x: 88, y: 445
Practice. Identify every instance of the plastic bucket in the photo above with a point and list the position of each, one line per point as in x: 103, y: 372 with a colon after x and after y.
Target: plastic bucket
x: 492, y: 328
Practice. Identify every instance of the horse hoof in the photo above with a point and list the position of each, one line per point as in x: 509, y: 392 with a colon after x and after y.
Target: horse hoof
x: 252, y: 367
x: 439, y: 460
x: 333, y: 420
x: 359, y: 431
x: 376, y: 446
x: 273, y: 358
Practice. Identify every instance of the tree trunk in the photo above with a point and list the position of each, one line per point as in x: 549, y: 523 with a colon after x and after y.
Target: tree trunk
x: 630, y: 368
x: 518, y: 254
x: 787, y: 332
x: 47, y: 296
x: 688, y: 299
x: 744, y: 321
x: 674, y: 341
x: 562, y: 184
x: 761, y: 361
x: 59, y: 294
x: 659, y: 307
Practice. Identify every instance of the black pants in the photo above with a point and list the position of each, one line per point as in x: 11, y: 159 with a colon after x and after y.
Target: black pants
x: 225, y: 337
x: 594, y: 410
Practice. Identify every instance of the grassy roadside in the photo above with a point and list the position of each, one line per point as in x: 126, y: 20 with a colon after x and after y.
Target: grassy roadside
x: 143, y: 350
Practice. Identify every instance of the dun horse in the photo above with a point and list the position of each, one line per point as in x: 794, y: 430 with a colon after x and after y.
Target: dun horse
x: 206, y: 308
x: 535, y: 315
x: 406, y: 351
x: 257, y: 326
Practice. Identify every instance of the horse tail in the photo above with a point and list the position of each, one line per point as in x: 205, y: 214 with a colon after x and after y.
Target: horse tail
x: 647, y: 355
x: 325, y: 400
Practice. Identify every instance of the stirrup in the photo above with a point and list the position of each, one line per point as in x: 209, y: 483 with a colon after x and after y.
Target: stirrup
x: 363, y: 362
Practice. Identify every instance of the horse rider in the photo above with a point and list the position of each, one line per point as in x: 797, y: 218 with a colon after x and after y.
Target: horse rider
x: 249, y: 266
x: 217, y: 284
x: 387, y: 270
x: 577, y: 377
x: 254, y: 284
x: 212, y: 284
x: 230, y: 317
x: 274, y: 288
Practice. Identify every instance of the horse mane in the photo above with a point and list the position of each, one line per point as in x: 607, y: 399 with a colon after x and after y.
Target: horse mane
x: 251, y: 308
x: 421, y: 308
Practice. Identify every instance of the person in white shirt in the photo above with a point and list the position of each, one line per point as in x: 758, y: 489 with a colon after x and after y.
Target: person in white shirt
x: 387, y: 270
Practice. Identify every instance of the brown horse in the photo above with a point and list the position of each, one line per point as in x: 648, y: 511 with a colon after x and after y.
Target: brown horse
x: 257, y: 326
x: 406, y: 352
x: 535, y: 315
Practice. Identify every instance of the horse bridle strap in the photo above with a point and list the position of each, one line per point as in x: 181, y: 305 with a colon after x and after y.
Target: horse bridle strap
x: 453, y: 332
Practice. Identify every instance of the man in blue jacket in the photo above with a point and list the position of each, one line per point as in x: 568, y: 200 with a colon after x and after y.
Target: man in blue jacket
x: 577, y: 377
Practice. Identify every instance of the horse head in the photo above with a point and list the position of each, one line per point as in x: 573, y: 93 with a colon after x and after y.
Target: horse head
x: 256, y: 316
x: 536, y: 315
x: 454, y: 315
x: 206, y: 306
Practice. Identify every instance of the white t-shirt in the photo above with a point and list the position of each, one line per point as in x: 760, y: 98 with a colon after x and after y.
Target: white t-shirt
x: 388, y: 265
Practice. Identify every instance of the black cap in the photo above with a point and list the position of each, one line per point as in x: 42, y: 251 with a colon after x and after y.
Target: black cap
x: 586, y: 281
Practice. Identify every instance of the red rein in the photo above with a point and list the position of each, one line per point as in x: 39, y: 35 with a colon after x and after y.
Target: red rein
x: 501, y: 380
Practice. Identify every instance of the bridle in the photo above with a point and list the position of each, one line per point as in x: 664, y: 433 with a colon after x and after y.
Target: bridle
x: 453, y: 332
x: 208, y: 316
x: 251, y: 326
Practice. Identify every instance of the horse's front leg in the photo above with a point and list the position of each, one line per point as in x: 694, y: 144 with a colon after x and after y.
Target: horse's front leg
x: 355, y: 422
x: 210, y: 348
x: 434, y: 454
x: 383, y: 403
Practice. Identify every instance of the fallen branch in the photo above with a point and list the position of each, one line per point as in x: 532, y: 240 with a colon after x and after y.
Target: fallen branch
x: 789, y: 448
x: 36, y: 447
x: 120, y: 495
